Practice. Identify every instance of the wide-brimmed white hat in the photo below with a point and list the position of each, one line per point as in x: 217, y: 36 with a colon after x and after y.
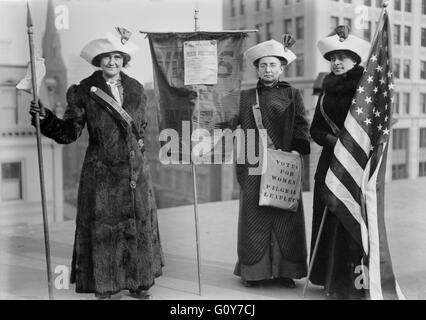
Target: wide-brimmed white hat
x: 267, y: 49
x: 343, y: 41
x: 109, y: 43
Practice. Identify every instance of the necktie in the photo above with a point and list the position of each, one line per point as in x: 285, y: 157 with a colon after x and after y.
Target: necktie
x: 115, y: 91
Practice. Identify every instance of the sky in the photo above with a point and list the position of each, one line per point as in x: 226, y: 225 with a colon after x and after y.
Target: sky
x: 86, y: 20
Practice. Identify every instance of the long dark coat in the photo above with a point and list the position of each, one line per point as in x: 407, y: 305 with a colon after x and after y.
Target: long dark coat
x: 338, y: 253
x: 283, y: 115
x: 117, y: 243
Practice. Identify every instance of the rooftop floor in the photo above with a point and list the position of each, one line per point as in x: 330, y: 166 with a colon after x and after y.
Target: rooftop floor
x: 23, y: 268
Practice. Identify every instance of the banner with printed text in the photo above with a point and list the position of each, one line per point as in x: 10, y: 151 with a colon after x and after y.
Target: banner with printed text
x: 197, y: 81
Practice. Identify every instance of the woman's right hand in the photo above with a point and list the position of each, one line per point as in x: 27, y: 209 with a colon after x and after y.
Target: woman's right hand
x: 331, y: 140
x: 36, y: 108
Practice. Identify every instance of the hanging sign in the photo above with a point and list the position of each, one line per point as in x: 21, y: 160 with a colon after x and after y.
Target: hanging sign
x: 200, y: 62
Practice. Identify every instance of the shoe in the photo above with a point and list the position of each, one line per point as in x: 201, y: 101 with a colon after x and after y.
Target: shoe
x: 250, y: 284
x: 140, y: 294
x: 287, y: 282
x: 103, y: 296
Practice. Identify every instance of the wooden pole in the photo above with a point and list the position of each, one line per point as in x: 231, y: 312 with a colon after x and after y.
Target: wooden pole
x: 39, y: 152
x: 194, y: 181
x: 314, y: 253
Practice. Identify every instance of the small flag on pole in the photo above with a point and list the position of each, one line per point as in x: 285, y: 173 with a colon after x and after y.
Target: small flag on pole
x: 356, y: 178
x: 26, y: 83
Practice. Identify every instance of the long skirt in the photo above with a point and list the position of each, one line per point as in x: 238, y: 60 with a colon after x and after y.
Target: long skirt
x: 339, y: 256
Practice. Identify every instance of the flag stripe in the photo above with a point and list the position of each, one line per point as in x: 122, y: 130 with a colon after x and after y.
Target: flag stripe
x: 358, y: 134
x: 345, y: 216
x: 345, y: 180
x: 375, y: 285
x: 342, y: 193
x: 348, y: 161
x: 353, y: 148
x: 386, y: 270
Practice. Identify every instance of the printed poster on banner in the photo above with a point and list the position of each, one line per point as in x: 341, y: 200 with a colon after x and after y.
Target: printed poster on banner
x: 200, y: 62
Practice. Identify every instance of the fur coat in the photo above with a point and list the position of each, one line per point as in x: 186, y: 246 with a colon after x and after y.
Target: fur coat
x: 117, y: 243
x: 338, y: 92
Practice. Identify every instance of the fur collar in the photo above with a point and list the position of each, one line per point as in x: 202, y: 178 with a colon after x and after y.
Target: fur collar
x: 343, y: 84
x: 131, y: 87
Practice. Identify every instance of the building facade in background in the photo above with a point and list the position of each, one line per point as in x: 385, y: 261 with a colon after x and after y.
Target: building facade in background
x: 20, y: 199
x: 310, y: 20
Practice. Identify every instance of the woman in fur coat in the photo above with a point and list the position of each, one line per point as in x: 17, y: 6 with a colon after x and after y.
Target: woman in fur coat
x: 338, y: 253
x: 117, y: 243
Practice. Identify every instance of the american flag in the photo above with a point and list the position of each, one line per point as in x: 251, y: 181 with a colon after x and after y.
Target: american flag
x: 355, y: 180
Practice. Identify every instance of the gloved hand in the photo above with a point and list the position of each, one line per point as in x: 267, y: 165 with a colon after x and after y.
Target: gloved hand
x: 36, y: 108
x: 331, y: 140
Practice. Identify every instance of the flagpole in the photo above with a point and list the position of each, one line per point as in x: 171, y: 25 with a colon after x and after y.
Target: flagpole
x: 314, y: 253
x: 30, y: 32
x: 194, y: 180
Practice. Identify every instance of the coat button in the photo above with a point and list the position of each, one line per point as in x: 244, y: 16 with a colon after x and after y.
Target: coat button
x: 132, y: 154
x: 140, y: 143
x: 133, y: 184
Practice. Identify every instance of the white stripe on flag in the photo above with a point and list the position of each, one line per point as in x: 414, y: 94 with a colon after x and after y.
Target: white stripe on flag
x: 374, y: 276
x: 341, y: 192
x: 358, y: 133
x: 349, y: 162
x: 399, y: 292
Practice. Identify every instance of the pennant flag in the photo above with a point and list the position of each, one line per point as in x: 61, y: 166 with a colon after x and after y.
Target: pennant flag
x: 26, y: 83
x: 197, y: 80
x: 355, y: 181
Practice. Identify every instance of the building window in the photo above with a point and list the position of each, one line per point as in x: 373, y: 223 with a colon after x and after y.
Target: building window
x: 423, y: 70
x: 407, y: 69
x: 400, y: 139
x: 257, y: 5
x: 299, y: 66
x: 232, y: 8
x: 397, y: 101
x: 347, y: 22
x: 268, y: 4
x: 347, y: 1
x: 367, y: 3
x: 378, y: 3
x: 334, y: 22
x: 269, y: 34
x: 288, y: 2
x: 406, y: 102
x: 397, y: 5
x: 242, y: 7
x: 407, y: 5
x: 423, y: 103
x: 422, y: 169
x: 8, y: 106
x: 11, y: 181
x: 422, y: 139
x: 407, y: 35
x: 399, y: 171
x: 299, y: 28
x: 396, y: 68
x: 396, y: 34
x: 367, y: 31
x: 423, y: 6
x: 288, y: 26
x: 423, y: 37
x: 259, y: 33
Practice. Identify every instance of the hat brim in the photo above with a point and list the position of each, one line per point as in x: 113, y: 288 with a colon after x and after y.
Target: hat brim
x: 270, y: 48
x: 106, y: 45
x: 353, y: 44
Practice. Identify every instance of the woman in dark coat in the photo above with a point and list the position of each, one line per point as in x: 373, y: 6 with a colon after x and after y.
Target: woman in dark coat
x: 271, y: 241
x: 117, y: 243
x: 338, y: 253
